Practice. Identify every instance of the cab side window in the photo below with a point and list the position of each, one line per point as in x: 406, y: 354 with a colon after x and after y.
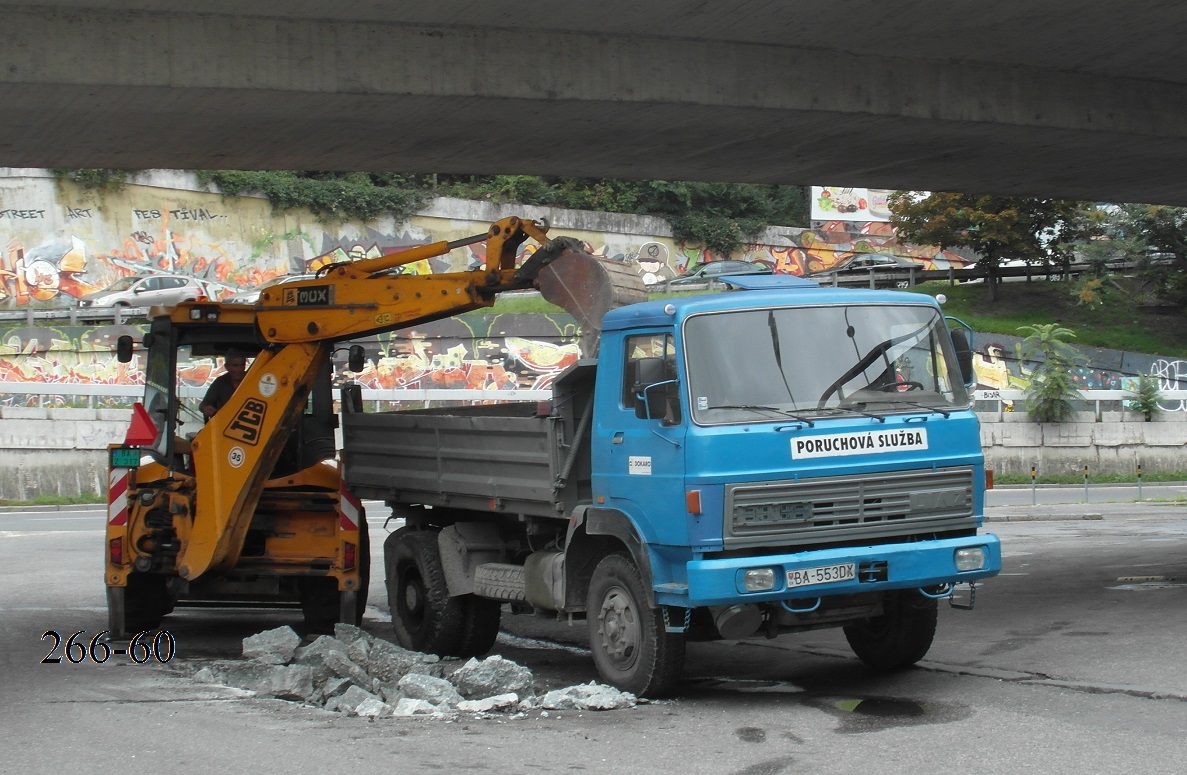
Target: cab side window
x: 650, y: 358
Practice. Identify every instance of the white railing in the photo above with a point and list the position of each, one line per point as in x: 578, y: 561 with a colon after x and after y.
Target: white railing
x: 1094, y: 397
x: 425, y: 395
x: 51, y: 390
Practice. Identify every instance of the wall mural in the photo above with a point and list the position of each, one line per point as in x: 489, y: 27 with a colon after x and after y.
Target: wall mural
x: 59, y: 245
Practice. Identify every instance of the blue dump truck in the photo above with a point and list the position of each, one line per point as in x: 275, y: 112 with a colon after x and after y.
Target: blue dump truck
x: 774, y: 459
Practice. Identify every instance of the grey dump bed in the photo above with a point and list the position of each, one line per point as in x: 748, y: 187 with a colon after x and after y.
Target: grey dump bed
x: 518, y: 458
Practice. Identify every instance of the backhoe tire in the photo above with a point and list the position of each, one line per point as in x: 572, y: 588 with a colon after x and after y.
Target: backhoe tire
x: 323, y: 605
x: 630, y: 646
x: 320, y: 602
x: 425, y: 618
x: 898, y: 638
x: 146, y: 602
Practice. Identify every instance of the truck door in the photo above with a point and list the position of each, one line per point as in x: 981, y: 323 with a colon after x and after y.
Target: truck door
x: 642, y: 439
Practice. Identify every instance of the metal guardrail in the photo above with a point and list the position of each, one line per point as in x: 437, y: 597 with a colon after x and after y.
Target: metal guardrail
x: 74, y: 315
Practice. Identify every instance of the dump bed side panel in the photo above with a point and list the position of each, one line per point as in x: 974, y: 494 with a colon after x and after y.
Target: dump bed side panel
x: 509, y: 458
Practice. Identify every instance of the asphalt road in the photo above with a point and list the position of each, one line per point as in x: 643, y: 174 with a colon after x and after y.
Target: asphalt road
x: 1071, y: 662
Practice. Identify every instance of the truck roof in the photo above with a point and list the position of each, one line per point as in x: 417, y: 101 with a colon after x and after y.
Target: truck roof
x: 753, y: 291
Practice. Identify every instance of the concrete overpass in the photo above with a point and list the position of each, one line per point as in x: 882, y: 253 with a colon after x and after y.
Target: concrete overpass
x: 1084, y: 99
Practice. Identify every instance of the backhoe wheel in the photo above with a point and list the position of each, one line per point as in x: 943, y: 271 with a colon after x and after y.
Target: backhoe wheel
x: 424, y: 616
x: 320, y: 602
x: 630, y: 647
x: 898, y: 638
x: 146, y: 602
x: 323, y: 605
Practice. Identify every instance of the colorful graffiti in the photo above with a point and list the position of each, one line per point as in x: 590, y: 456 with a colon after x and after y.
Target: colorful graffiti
x: 472, y: 351
x: 61, y: 249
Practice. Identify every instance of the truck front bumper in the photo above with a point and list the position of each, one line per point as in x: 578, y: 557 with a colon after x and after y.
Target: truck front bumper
x: 877, y: 568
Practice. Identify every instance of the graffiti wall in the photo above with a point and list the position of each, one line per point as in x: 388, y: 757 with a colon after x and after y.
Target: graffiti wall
x: 62, y: 242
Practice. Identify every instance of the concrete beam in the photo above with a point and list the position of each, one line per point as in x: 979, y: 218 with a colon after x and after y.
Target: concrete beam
x: 139, y: 84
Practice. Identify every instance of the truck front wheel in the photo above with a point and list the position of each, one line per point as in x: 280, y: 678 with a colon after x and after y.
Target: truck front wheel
x: 424, y: 616
x: 630, y: 646
x: 898, y: 638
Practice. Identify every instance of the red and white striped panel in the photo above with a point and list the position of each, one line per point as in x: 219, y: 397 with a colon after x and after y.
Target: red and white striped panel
x: 349, y: 509
x: 117, y: 496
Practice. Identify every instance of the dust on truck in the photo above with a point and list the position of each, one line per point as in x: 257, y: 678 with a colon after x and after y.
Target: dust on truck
x: 736, y: 465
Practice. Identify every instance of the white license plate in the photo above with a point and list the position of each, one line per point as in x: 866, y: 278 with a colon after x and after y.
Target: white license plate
x: 823, y: 574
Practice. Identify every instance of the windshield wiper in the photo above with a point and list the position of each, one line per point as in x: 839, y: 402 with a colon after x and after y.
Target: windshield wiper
x: 853, y: 408
x: 918, y: 405
x: 760, y: 408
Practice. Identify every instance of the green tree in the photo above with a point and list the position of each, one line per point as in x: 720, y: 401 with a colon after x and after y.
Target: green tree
x: 1163, y: 233
x: 720, y: 216
x: 996, y: 228
x: 1052, y: 392
x: 1146, y: 396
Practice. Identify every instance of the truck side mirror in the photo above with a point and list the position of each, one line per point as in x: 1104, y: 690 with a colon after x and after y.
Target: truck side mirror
x: 123, y: 349
x: 655, y: 394
x: 356, y: 358
x: 964, y: 356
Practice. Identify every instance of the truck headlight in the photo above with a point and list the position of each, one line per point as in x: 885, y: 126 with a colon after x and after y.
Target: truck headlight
x: 758, y: 579
x: 970, y: 558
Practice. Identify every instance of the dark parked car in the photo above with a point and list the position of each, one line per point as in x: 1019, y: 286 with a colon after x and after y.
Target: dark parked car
x: 864, y: 264
x: 705, y: 271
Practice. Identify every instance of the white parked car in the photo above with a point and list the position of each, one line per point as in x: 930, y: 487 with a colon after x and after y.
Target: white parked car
x: 147, y: 290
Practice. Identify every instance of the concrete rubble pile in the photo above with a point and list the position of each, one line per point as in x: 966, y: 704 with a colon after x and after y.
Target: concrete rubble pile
x: 355, y: 673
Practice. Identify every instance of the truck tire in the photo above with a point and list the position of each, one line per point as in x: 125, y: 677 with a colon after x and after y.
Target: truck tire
x: 631, y: 648
x: 482, y: 625
x: 424, y: 616
x: 898, y: 638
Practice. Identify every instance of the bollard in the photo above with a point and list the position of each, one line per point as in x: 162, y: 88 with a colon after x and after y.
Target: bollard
x: 1033, y: 494
x: 1085, y: 484
x: 1139, y: 480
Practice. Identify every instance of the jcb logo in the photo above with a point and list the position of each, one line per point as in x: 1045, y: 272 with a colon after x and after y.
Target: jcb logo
x: 248, y: 421
x: 312, y: 296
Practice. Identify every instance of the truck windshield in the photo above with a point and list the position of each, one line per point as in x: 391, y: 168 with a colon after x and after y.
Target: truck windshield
x: 814, y: 362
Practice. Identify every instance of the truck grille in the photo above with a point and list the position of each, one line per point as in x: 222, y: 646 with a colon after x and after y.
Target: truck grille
x: 843, y: 508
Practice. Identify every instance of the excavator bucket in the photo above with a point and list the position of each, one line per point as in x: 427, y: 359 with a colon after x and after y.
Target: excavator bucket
x: 587, y: 287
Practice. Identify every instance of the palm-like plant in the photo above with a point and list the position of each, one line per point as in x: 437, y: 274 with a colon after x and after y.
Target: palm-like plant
x: 1052, y: 392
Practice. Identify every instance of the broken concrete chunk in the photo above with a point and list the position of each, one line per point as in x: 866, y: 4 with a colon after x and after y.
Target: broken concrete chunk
x: 335, y: 687
x: 494, y: 675
x: 410, y: 707
x: 373, y: 708
x: 437, y: 691
x: 348, y: 633
x: 273, y: 647
x: 591, y: 696
x: 316, y: 650
x: 358, y: 651
x: 344, y: 668
x: 388, y: 662
x: 498, y: 702
x: 351, y: 699
x: 286, y: 682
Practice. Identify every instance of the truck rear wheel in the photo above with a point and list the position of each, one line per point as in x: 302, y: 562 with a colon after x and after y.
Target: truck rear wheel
x: 424, y: 616
x: 482, y: 619
x: 631, y: 648
x: 898, y: 638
